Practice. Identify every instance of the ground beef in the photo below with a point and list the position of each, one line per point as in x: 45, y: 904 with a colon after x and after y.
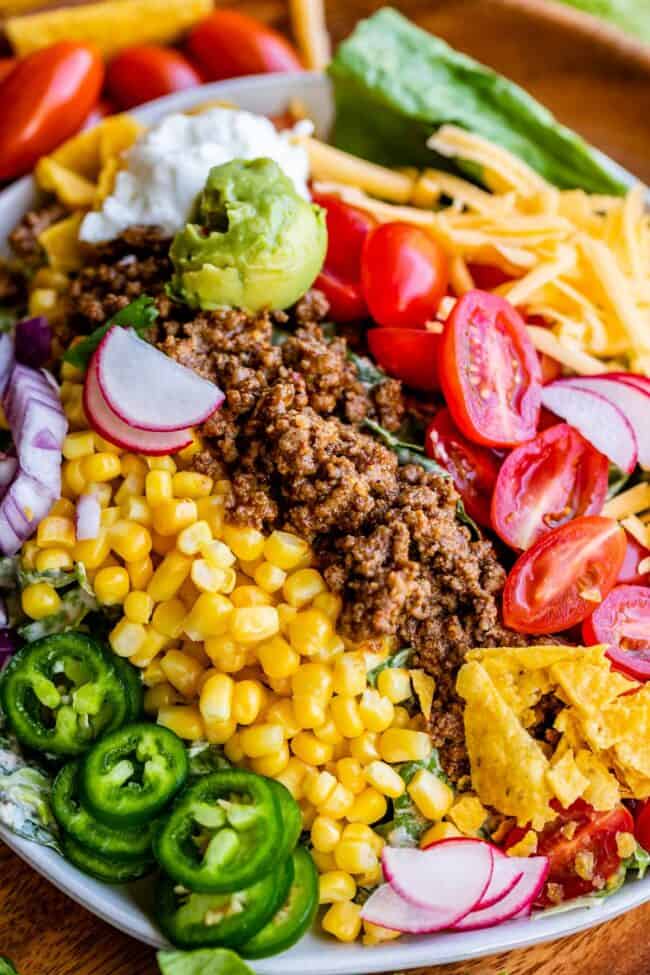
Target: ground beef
x: 23, y: 239
x: 13, y: 286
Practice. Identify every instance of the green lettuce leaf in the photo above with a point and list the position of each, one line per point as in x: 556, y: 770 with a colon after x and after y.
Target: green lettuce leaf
x: 400, y: 659
x: 206, y: 961
x: 25, y: 794
x: 395, y: 85
x: 6, y: 967
x: 140, y: 315
x: 205, y: 758
x: 408, y: 825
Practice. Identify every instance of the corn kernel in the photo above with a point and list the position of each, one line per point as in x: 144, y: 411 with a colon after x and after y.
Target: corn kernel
x: 302, y: 586
x: 365, y: 747
x: 64, y: 508
x: 171, y: 517
x: 211, y: 510
x: 320, y: 787
x: 354, y: 857
x: 350, y: 675
x: 330, y: 604
x: 310, y: 631
x: 159, y: 696
x: 329, y: 733
x: 216, y: 698
x: 208, y: 578
x: 52, y: 559
x: 249, y: 698
x: 136, y: 509
x: 153, y: 674
x: 385, y: 779
x: 395, y: 684
x: 187, y: 453
x: 233, y: 750
x: 286, y: 614
x: 182, y: 671
x: 101, y: 467
x: 28, y: 554
x: 346, y: 716
x: 361, y: 833
x: 184, y: 720
x: 325, y: 834
x: 369, y: 807
x: 109, y: 517
x: 350, y: 773
x: 308, y: 814
x: 106, y: 446
x: 246, y: 543
x: 219, y: 732
x: 292, y: 777
x: 268, y: 577
x: 374, y: 934
x: 132, y: 486
x: 153, y: 643
x: 312, y: 751
x: 278, y: 658
x: 437, y: 832
x: 127, y: 638
x: 40, y: 600
x: 401, y: 718
x: 402, y: 745
x: 73, y: 477
x: 285, y: 550
x: 225, y: 653
x: 93, y: 552
x: 158, y: 488
x: 376, y: 711
x: 431, y: 795
x: 190, y: 484
x: 169, y: 576
x: 140, y: 572
x: 246, y: 595
x: 192, y: 538
x: 111, y: 586
x: 325, y: 862
x: 274, y: 764
x: 78, y: 445
x: 251, y: 624
x: 197, y: 650
x: 56, y: 531
x: 130, y: 540
x: 261, y: 739
x: 161, y: 464
x: 336, y: 887
x: 339, y: 803
x: 218, y: 555
x: 468, y: 813
x: 211, y: 615
x: 282, y: 713
x: 132, y: 464
x: 313, y: 679
x: 188, y: 593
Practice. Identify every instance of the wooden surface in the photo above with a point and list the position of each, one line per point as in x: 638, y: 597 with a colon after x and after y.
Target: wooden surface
x: 600, y: 86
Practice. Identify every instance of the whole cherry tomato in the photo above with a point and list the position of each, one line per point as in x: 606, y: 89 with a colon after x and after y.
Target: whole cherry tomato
x: 344, y: 297
x: 146, y: 71
x: 409, y: 354
x: 404, y: 275
x: 45, y: 100
x: 347, y: 229
x: 6, y: 66
x: 546, y: 482
x: 473, y: 469
x: 557, y: 582
x: 100, y: 111
x: 228, y: 44
x: 490, y: 373
x: 642, y: 824
x: 622, y: 621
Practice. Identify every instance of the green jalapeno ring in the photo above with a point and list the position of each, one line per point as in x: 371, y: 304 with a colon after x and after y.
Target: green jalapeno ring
x: 193, y: 920
x: 61, y: 693
x: 131, y: 680
x: 222, y: 834
x: 291, y: 819
x: 294, y: 917
x: 82, y: 826
x: 131, y: 774
x: 110, y: 870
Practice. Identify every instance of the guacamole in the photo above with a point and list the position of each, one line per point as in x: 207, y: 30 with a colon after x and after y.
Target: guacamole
x: 252, y: 242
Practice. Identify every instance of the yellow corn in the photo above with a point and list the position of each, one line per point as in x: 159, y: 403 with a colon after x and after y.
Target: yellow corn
x: 216, y: 698
x: 140, y: 572
x: 401, y: 718
x: 336, y: 887
x: 376, y: 711
x: 350, y: 676
x: 431, y: 795
x: 40, y: 600
x: 218, y: 554
x: 286, y: 614
x: 101, y: 467
x: 350, y: 773
x: 56, y: 531
x: 269, y: 577
x: 132, y: 464
x: 136, y: 508
x: 153, y: 643
x: 246, y: 543
x: 310, y: 631
x: 169, y: 576
x: 211, y: 510
x: 249, y: 698
x: 247, y: 595
x: 192, y: 538
x: 394, y: 683
x: 280, y: 686
x: 274, y: 764
x: 184, y: 720
x: 188, y: 593
x: 313, y: 679
x: 261, y: 739
x: 369, y: 807
x: 403, y: 745
x: 28, y: 554
x: 282, y: 713
x: 325, y: 862
x: 302, y: 586
x: 330, y: 604
x: 211, y: 615
x: 286, y: 550
x: 162, y: 544
x: 169, y: 616
x: 329, y: 733
x: 233, y: 749
x: 189, y: 484
x: 308, y: 813
x: 127, y: 638
x: 385, y: 779
x: 307, y: 747
x: 158, y: 487
x: 153, y: 674
x: 171, y: 517
x: 93, y: 552
x: 309, y: 711
x: 112, y: 586
x: 109, y: 517
x: 130, y: 540
x: 319, y: 787
x: 187, y: 453
x: 365, y: 747
x: 292, y: 777
x: 73, y: 477
x: 132, y: 486
x: 219, y: 732
x: 361, y: 833
x: 252, y: 624
x: 278, y: 658
x: 354, y: 857
x: 440, y: 831
x: 161, y: 464
x: 374, y: 934
x: 225, y: 653
x: 339, y: 803
x: 106, y: 446
x: 182, y: 671
x: 78, y: 445
x: 325, y: 834
x: 346, y: 716
x: 52, y: 558
x: 208, y: 578
x: 159, y: 696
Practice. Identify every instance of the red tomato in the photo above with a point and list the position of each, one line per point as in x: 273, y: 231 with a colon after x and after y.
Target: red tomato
x: 623, y: 621
x: 45, y: 100
x: 551, y: 368
x: 487, y: 277
x: 409, y: 354
x: 473, y: 469
x: 490, y: 372
x: 642, y: 824
x: 228, y: 44
x: 347, y: 229
x: 635, y: 553
x: 146, y: 71
x: 6, y: 66
x: 547, y: 482
x: 592, y: 833
x: 344, y: 297
x: 556, y: 583
x: 100, y: 111
x: 404, y: 275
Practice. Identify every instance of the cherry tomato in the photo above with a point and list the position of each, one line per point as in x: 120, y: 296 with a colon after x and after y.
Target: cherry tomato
x: 635, y: 554
x: 551, y: 369
x: 642, y: 824
x: 409, y: 354
x: 473, y: 469
x: 146, y: 71
x: 490, y: 372
x: 228, y: 44
x: 347, y: 229
x: 344, y: 297
x: 100, y: 111
x: 44, y: 101
x: 487, y: 277
x: 6, y: 66
x: 623, y: 622
x: 404, y: 275
x: 556, y: 583
x: 547, y: 482
x: 592, y: 833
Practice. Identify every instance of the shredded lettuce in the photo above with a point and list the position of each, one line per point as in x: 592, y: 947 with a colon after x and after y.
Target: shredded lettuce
x: 140, y: 315
x: 206, y: 961
x: 75, y: 605
x: 400, y: 659
x: 408, y: 825
x: 25, y: 794
x: 6, y: 967
x: 205, y: 758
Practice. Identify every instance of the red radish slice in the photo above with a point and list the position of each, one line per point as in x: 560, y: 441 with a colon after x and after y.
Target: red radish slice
x: 632, y: 379
x: 517, y: 902
x: 148, y: 390
x: 632, y: 401
x: 386, y: 908
x: 109, y: 426
x: 505, y: 875
x: 452, y: 874
x: 88, y: 520
x: 599, y: 421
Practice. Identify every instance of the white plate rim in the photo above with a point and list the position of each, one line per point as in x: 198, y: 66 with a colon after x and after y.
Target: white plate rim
x: 121, y: 906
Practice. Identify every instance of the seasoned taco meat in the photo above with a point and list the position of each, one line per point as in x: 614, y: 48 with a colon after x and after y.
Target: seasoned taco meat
x: 23, y: 239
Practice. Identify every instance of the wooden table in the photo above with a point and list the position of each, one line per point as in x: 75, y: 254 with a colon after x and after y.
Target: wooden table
x: 599, y: 90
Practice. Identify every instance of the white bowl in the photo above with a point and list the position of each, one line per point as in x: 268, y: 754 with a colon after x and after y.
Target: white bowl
x: 129, y: 908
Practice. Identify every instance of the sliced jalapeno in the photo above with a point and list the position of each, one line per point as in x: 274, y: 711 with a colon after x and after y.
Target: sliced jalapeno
x: 291, y: 819
x: 109, y: 869
x: 83, y: 827
x: 128, y: 776
x: 193, y: 920
x: 294, y: 917
x: 223, y: 833
x: 61, y: 693
x: 132, y: 683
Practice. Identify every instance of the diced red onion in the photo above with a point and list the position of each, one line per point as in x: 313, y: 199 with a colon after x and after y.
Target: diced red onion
x: 7, y: 644
x: 7, y: 360
x: 8, y: 468
x: 88, y: 517
x: 33, y: 341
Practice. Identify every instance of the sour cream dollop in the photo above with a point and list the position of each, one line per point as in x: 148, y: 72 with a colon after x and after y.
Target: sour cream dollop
x: 168, y: 166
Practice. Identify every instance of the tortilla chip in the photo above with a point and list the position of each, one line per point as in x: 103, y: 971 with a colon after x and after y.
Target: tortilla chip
x: 602, y: 791
x: 425, y: 687
x: 73, y: 190
x: 468, y: 813
x: 85, y: 154
x: 566, y: 780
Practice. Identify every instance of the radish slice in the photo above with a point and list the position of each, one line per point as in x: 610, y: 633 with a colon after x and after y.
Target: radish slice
x: 148, y: 390
x: 599, y: 421
x: 109, y: 425
x: 386, y: 908
x: 632, y: 401
x: 7, y: 360
x: 631, y: 379
x: 518, y: 901
x: 453, y: 874
x: 88, y: 520
x: 505, y: 875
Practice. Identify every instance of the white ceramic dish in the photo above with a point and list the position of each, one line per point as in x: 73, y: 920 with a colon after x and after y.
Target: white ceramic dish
x: 129, y: 908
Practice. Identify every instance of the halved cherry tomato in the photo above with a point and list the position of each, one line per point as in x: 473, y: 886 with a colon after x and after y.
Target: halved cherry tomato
x: 551, y: 368
x: 409, y: 354
x: 578, y: 830
x: 487, y: 277
x: 146, y: 71
x: 45, y: 100
x: 642, y: 824
x: 635, y: 554
x: 6, y: 66
x: 490, y: 372
x: 558, y: 581
x: 344, y: 297
x: 228, y: 44
x: 347, y: 229
x: 404, y: 275
x: 473, y: 469
x: 98, y: 112
x: 547, y: 482
x: 623, y: 622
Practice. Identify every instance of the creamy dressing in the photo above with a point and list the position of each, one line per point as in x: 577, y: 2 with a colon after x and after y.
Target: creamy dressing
x: 168, y: 166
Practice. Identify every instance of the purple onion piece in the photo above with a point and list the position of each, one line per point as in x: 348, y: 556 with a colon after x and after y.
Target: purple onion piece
x: 33, y: 341
x: 7, y: 645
